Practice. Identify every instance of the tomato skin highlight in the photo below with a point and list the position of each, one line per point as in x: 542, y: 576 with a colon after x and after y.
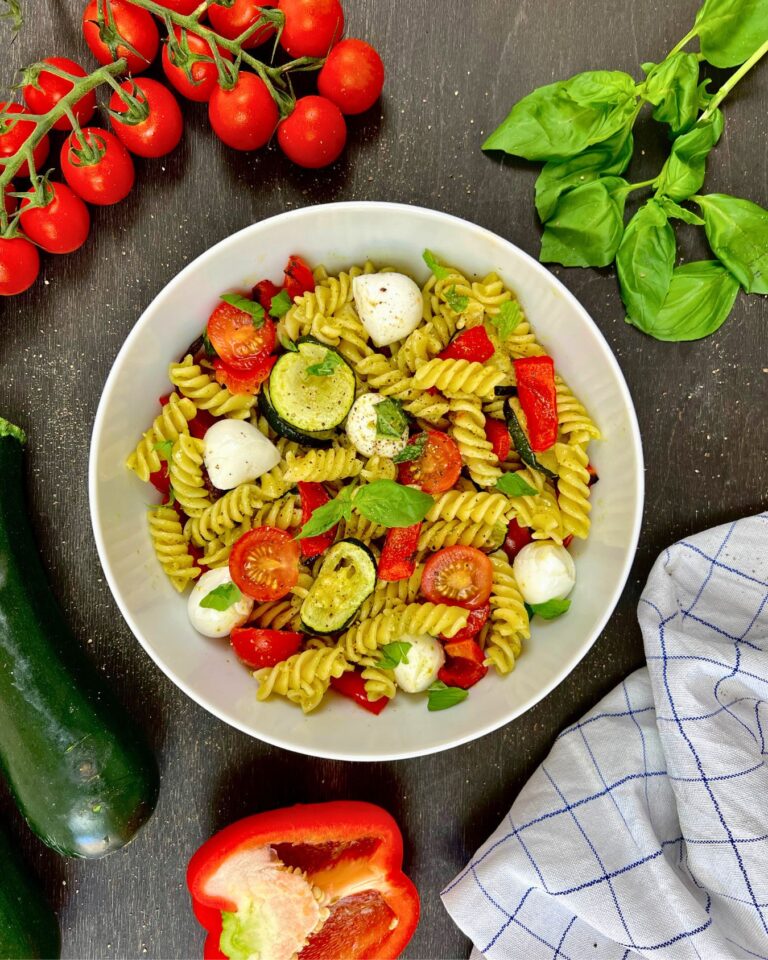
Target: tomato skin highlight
x: 264, y: 648
x: 234, y: 337
x: 460, y: 576
x: 497, y: 434
x: 161, y: 131
x: 59, y: 227
x: 264, y: 563
x: 517, y: 538
x: 437, y: 469
x: 105, y: 182
x: 352, y: 76
x: 204, y: 74
x: 13, y: 136
x: 312, y: 27
x: 245, y: 116
x: 352, y: 685
x: 19, y: 265
x: 51, y: 88
x: 232, y: 21
x: 134, y: 25
x: 314, y: 135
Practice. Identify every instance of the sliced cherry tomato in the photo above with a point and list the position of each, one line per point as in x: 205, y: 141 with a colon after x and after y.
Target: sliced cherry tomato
x: 264, y: 563
x: 352, y: 77
x: 201, y: 423
x: 497, y: 434
x: 398, y: 556
x: 517, y: 538
x: 311, y: 26
x: 160, y: 131
x: 102, y: 181
x: 314, y: 495
x: 458, y: 575
x: 475, y: 623
x: 314, y: 135
x: 13, y: 134
x: 19, y: 265
x: 352, y: 685
x: 538, y: 397
x: 231, y: 21
x: 43, y: 95
x: 235, y: 336
x: 464, y: 666
x: 62, y: 225
x: 439, y: 466
x: 161, y: 479
x: 299, y: 278
x: 473, y: 344
x: 245, y: 115
x: 107, y: 21
x: 264, y: 292
x: 264, y: 648
x: 204, y: 73
x: 244, y: 377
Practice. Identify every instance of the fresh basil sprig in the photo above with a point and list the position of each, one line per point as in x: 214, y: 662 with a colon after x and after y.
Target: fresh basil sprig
x: 456, y: 301
x: 327, y: 366
x: 413, y: 451
x: 442, y: 697
x: 393, y: 654
x: 436, y: 268
x: 513, y: 485
x: 222, y: 597
x: 384, y: 502
x: 551, y: 610
x: 254, y: 310
x: 507, y: 319
x: 281, y: 304
x: 391, y: 421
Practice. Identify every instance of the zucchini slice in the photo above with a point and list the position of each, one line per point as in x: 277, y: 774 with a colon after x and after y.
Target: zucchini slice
x: 321, y: 438
x: 346, y: 579
x: 307, y: 400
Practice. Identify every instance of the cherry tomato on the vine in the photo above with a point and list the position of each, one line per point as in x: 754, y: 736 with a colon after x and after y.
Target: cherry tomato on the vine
x: 14, y: 133
x: 62, y: 225
x: 204, y: 73
x: 107, y: 176
x: 352, y: 76
x: 184, y: 7
x: 244, y: 116
x: 161, y: 131
x: 19, y: 265
x: 103, y: 20
x: 311, y: 26
x: 315, y: 133
x: 49, y: 88
x: 234, y: 20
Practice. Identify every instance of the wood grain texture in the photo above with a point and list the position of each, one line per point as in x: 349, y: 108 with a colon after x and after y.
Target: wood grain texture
x: 454, y: 71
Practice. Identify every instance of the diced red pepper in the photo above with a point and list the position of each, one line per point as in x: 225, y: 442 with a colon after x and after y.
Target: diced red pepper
x: 538, y: 398
x: 201, y: 423
x: 593, y: 477
x: 264, y: 292
x: 568, y: 541
x: 475, y: 623
x: 299, y: 278
x: 352, y: 685
x: 398, y: 555
x: 264, y: 648
x: 473, y: 344
x: 464, y: 666
x: 314, y: 495
x: 517, y: 538
x: 244, y: 379
x: 165, y: 399
x: 497, y: 434
x: 161, y: 479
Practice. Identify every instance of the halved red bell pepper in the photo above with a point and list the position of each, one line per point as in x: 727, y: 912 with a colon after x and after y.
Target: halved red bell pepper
x: 473, y: 344
x: 264, y: 292
x: 464, y: 665
x: 398, y: 555
x: 298, y: 277
x: 314, y: 495
x: 352, y: 685
x: 497, y: 434
x: 261, y: 886
x: 538, y: 398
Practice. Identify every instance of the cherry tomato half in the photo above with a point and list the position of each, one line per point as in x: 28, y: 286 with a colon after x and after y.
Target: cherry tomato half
x: 232, y: 21
x: 105, y: 18
x: 314, y: 135
x: 311, y: 26
x: 245, y: 377
x: 236, y: 339
x: 14, y: 133
x: 19, y: 265
x: 244, y: 116
x: 264, y: 563
x: 458, y: 575
x: 161, y: 131
x: 50, y: 88
x: 204, y: 73
x: 438, y: 467
x: 352, y: 76
x: 104, y: 181
x: 264, y: 648
x: 62, y: 225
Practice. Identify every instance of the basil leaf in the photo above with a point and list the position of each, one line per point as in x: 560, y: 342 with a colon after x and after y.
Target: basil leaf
x: 672, y: 87
x: 562, y: 119
x: 436, y: 268
x: 456, y: 302
x: 528, y: 610
x: 327, y: 365
x: 644, y: 262
x: 393, y: 654
x: 552, y: 609
x: 281, y: 304
x: 442, y: 697
x: 392, y: 504
x: 522, y: 444
x: 683, y: 173
x: 285, y: 341
x: 587, y: 225
x: 413, y: 451
x: 222, y: 597
x: 730, y: 31
x: 164, y: 448
x: 674, y: 211
x: 700, y: 298
x: 737, y: 231
x: 208, y: 346
x: 254, y: 310
x: 506, y: 320
x: 390, y: 419
x: 513, y: 485
x: 325, y: 517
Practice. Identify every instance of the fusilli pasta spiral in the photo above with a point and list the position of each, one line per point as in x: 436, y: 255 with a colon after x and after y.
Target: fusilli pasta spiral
x: 467, y: 533
x: 172, y: 421
x: 458, y: 377
x: 193, y: 382
x: 304, y: 677
x: 573, y: 488
x: 509, y: 624
x: 480, y: 507
x: 170, y: 546
x: 468, y: 430
x: 186, y: 473
x: 318, y: 465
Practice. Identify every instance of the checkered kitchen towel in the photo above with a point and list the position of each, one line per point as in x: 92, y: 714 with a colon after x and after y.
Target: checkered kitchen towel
x: 645, y: 831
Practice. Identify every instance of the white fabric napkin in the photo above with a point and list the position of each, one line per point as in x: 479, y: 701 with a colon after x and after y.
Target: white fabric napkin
x: 645, y: 831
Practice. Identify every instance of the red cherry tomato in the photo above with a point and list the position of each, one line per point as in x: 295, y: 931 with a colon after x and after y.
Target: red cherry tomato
x: 311, y: 26
x: 19, y: 265
x: 314, y: 135
x: 104, y: 180
x: 62, y: 225
x: 438, y: 467
x: 205, y: 75
x: 236, y: 339
x: 497, y: 434
x: 245, y: 116
x: 352, y: 76
x: 184, y: 7
x: 231, y: 22
x: 160, y: 131
x: 298, y: 278
x: 13, y: 134
x: 50, y: 88
x: 264, y: 648
x: 464, y: 666
x: 473, y: 345
x: 245, y: 377
x: 352, y: 685
x: 104, y: 19
x: 264, y: 563
x: 517, y: 538
x: 475, y: 623
x: 458, y: 575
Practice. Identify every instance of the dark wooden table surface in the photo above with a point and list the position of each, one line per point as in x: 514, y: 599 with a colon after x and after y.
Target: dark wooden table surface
x: 454, y: 70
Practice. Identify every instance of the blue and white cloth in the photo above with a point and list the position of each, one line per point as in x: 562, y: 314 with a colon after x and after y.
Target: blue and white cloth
x: 645, y: 831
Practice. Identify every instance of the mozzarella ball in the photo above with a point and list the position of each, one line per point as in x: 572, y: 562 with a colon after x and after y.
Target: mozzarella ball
x: 216, y: 623
x: 544, y: 571
x: 237, y: 452
x: 425, y: 658
x: 362, y: 432
x: 390, y: 305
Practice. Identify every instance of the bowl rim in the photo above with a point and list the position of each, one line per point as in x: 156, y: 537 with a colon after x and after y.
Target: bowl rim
x: 370, y: 207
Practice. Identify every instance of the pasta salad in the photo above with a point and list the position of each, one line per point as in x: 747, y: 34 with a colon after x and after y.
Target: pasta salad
x: 370, y: 487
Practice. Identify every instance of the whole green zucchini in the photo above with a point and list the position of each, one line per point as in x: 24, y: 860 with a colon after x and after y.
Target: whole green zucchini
x: 28, y: 928
x: 79, y: 770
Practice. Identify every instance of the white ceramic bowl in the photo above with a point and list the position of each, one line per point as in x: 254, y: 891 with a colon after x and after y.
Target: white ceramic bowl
x: 338, y: 235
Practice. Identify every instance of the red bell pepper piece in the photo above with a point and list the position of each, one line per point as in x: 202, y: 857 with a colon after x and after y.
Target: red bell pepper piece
x: 497, y: 434
x: 201, y: 423
x: 464, y: 666
x: 398, y: 555
x: 161, y: 479
x: 298, y: 277
x: 517, y: 538
x: 264, y: 648
x: 314, y: 495
x: 352, y: 852
x: 352, y: 685
x: 538, y: 398
x: 475, y: 623
x: 264, y: 292
x: 473, y: 344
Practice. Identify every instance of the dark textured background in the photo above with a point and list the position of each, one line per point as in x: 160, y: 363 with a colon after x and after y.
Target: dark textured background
x: 454, y: 70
